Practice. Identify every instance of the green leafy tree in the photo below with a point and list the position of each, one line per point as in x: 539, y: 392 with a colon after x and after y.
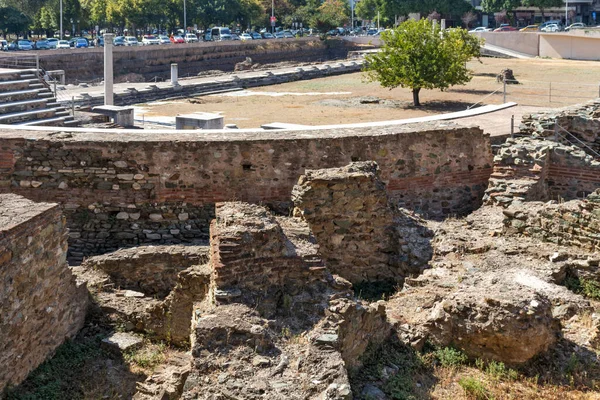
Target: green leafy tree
x: 499, y: 5
x: 367, y: 9
x: 419, y: 55
x: 331, y: 14
x: 13, y: 21
x: 543, y: 4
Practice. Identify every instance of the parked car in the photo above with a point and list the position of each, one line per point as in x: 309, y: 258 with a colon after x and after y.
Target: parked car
x: 480, y: 29
x: 119, y: 41
x: 63, y: 44
x: 235, y: 36
x: 41, y: 44
x: 149, y: 40
x: 245, y: 36
x: 191, y: 38
x: 267, y: 35
x: 255, y: 35
x: 52, y: 43
x: 163, y: 39
x: 506, y: 29
x: 545, y: 24
x: 576, y: 25
x: 530, y: 28
x: 79, y: 43
x: 220, y: 33
x: 23, y: 44
x: 551, y: 28
x: 177, y: 39
x: 3, y: 45
x: 131, y: 41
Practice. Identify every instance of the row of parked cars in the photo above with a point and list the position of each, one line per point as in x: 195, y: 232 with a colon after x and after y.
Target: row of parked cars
x: 548, y: 26
x: 43, y: 44
x: 213, y: 34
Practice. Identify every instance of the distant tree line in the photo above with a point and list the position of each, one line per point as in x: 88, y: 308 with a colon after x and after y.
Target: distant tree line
x: 42, y: 16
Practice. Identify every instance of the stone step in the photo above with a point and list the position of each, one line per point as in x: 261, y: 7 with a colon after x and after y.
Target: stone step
x: 24, y: 105
x: 30, y: 115
x: 22, y: 84
x: 18, y: 95
x: 54, y: 121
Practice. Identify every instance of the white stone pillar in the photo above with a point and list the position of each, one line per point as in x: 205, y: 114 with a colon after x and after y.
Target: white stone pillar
x: 174, y: 75
x: 108, y: 69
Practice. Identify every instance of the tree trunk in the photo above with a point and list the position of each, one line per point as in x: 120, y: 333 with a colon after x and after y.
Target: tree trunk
x: 416, y: 101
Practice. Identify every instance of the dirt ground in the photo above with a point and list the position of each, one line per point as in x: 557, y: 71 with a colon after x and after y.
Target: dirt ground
x: 348, y: 98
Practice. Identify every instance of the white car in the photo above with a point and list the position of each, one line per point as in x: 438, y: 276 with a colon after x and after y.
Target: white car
x: 162, y: 39
x: 63, y: 44
x: 480, y: 29
x: 551, y: 28
x: 190, y: 38
x: 131, y: 41
x: 245, y: 36
x: 150, y: 39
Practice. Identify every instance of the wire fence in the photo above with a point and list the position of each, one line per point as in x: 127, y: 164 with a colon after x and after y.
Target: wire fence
x: 541, y: 93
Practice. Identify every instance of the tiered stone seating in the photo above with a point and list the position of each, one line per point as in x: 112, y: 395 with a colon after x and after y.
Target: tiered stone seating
x: 26, y: 100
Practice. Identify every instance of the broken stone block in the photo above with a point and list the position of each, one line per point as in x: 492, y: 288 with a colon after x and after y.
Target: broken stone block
x: 120, y: 342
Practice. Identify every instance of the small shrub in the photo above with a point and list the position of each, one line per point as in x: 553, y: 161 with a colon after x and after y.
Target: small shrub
x: 585, y: 287
x: 147, y: 357
x: 497, y: 370
x: 474, y: 388
x: 451, y: 358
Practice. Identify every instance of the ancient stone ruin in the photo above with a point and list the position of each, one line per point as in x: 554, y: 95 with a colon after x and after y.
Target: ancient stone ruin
x: 252, y: 260
x: 40, y: 302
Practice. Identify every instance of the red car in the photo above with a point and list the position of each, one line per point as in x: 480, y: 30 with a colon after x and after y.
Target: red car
x: 177, y: 39
x: 506, y: 29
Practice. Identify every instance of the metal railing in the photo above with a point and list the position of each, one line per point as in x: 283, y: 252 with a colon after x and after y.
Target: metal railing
x: 541, y: 93
x: 557, y: 133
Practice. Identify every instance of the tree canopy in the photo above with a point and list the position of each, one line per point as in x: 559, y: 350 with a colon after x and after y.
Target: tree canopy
x: 420, y: 55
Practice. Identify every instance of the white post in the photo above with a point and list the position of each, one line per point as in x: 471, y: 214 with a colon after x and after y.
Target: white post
x: 61, y: 18
x: 184, y: 20
x: 377, y: 20
x: 174, y: 75
x: 352, y: 15
x: 108, y: 69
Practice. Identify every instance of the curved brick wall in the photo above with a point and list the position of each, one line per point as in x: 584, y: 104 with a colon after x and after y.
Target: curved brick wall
x: 121, y: 189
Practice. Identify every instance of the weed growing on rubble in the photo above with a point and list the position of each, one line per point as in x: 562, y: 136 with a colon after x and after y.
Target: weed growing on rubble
x: 398, y: 367
x: 147, y: 357
x: 475, y: 389
x: 498, y: 371
x: 586, y: 287
x: 450, y: 357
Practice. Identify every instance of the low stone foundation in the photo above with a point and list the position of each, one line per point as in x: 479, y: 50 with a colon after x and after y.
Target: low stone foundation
x: 40, y: 302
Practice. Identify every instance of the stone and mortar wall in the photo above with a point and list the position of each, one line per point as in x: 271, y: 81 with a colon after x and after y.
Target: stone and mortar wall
x: 355, y: 224
x: 153, y: 188
x: 575, y: 223
x: 86, y: 65
x: 534, y: 169
x: 40, y: 302
x: 581, y: 120
x: 258, y: 258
